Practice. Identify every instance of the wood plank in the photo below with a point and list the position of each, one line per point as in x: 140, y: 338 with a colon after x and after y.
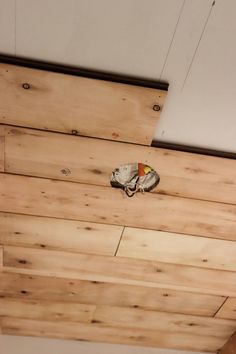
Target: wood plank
x: 59, y: 234
x: 1, y: 259
x: 228, y: 310
x: 230, y: 346
x: 68, y: 200
x: 99, y: 333
x: 178, y: 248
x: 159, y: 321
x: 2, y: 148
x: 76, y: 104
x: 46, y: 310
x: 80, y: 159
x: 100, y: 293
x: 118, y: 270
x: 117, y: 317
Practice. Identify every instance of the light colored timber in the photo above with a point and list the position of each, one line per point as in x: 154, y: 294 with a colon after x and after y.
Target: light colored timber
x: 59, y: 234
x: 68, y: 200
x: 100, y: 293
x: 87, y: 160
x: 46, y: 310
x: 178, y: 248
x: 68, y: 103
x: 228, y: 310
x: 230, y: 346
x: 1, y: 259
x: 2, y: 147
x: 99, y: 333
x: 117, y: 317
x: 118, y: 270
x: 137, y: 318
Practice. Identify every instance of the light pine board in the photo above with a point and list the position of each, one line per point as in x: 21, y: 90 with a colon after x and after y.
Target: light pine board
x: 178, y: 248
x: 59, y: 234
x: 118, y: 270
x: 2, y: 148
x: 228, y: 310
x: 99, y: 333
x: 101, y: 293
x: 1, y: 258
x: 68, y: 200
x: 68, y: 103
x: 46, y: 310
x: 117, y: 317
x: 87, y: 160
x: 137, y: 318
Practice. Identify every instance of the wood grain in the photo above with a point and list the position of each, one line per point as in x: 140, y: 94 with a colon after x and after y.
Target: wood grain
x: 118, y: 270
x: 68, y: 200
x: 177, y: 248
x: 100, y: 333
x: 115, y: 317
x: 228, y: 310
x: 46, y: 310
x: 2, y: 148
x: 1, y: 259
x: 230, y: 346
x: 87, y: 160
x: 137, y: 318
x: 99, y: 293
x: 87, y: 106
x: 59, y: 234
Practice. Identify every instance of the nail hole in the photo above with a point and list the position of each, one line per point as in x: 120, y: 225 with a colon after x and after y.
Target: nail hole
x: 74, y: 132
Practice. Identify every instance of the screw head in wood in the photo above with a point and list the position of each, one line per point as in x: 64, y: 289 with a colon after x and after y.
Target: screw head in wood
x: 156, y: 107
x: 26, y: 86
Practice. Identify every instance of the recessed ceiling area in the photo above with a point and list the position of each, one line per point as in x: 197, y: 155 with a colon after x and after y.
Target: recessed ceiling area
x: 184, y: 42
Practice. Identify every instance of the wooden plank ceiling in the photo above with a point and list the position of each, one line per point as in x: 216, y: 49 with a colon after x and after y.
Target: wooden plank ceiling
x: 80, y: 260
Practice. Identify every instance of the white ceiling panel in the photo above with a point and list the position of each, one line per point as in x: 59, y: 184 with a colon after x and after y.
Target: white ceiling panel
x: 202, y: 110
x: 127, y: 36
x: 27, y: 345
x: 7, y: 26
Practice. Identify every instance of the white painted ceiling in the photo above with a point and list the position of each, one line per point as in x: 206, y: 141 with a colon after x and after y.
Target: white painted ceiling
x: 189, y: 43
x: 27, y: 345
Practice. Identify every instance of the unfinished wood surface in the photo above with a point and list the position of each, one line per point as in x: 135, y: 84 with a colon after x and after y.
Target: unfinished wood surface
x: 228, y: 310
x: 137, y: 318
x: 100, y: 293
x: 88, y: 160
x: 59, y: 234
x: 118, y: 270
x: 46, y: 310
x: 2, y: 147
x: 116, y: 317
x: 68, y: 200
x: 178, y: 248
x: 1, y: 259
x: 78, y: 105
x: 230, y: 346
x: 99, y: 333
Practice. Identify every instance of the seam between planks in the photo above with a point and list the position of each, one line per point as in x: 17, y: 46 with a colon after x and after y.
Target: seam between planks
x: 119, y: 241
x: 221, y: 306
